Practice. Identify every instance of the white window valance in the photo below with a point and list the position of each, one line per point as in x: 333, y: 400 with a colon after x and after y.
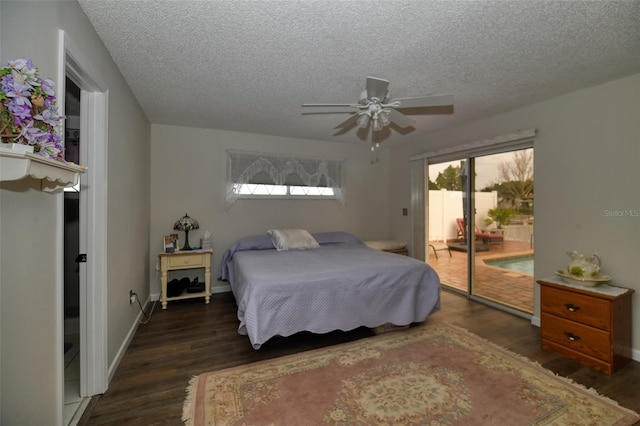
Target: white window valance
x: 280, y: 169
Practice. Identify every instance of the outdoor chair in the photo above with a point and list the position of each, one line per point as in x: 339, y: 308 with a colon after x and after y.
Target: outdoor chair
x: 437, y: 246
x: 486, y: 237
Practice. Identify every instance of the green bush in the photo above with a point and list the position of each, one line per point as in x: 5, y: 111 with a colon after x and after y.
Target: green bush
x: 500, y: 216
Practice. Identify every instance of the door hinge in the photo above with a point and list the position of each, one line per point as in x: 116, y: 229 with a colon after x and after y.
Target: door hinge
x: 82, y: 258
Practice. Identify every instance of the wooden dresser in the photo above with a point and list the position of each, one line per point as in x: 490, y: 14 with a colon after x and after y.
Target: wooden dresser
x: 589, y: 325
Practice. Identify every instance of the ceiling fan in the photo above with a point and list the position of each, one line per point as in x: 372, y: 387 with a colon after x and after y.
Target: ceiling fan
x: 377, y: 109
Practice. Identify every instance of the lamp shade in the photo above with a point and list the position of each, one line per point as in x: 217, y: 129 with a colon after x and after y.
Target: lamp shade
x: 186, y: 223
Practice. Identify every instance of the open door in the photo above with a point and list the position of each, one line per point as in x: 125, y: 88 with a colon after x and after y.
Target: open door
x: 92, y: 214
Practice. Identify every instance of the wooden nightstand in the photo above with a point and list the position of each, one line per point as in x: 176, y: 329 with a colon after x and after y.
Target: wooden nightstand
x: 589, y: 325
x: 179, y: 260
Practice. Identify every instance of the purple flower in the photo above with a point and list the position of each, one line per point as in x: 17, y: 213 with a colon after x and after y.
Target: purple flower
x: 47, y: 117
x: 20, y: 93
x: 33, y: 134
x: 21, y: 63
x: 6, y: 83
x: 47, y: 86
x: 30, y: 108
x: 21, y: 113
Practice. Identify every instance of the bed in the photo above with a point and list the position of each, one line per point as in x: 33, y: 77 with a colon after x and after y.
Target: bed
x: 338, y: 284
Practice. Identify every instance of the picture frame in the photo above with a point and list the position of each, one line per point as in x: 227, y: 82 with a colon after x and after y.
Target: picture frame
x: 170, y: 243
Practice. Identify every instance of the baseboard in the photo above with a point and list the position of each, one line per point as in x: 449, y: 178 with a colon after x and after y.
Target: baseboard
x: 535, y: 321
x: 224, y: 288
x: 125, y: 344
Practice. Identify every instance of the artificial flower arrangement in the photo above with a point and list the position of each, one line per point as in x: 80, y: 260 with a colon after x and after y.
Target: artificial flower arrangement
x: 28, y: 110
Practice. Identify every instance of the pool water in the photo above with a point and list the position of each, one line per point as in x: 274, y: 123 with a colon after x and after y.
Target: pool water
x: 522, y: 264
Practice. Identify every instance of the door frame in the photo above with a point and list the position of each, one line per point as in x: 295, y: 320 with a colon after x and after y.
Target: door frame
x: 520, y: 139
x: 93, y: 217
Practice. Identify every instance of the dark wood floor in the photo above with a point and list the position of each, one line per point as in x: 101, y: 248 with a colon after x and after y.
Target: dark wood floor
x: 190, y: 338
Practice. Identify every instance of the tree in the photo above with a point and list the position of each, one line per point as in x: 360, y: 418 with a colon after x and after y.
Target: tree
x: 500, y: 216
x: 515, y: 178
x: 449, y: 179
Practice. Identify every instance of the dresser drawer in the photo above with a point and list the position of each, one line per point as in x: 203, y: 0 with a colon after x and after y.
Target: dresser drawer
x: 576, y: 307
x: 587, y: 340
x: 591, y: 326
x: 187, y: 261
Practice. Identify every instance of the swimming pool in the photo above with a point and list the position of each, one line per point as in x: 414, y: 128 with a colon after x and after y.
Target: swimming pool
x: 522, y: 264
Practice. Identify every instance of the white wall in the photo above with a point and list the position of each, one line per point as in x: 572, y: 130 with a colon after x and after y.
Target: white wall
x: 30, y: 365
x: 587, y: 166
x: 188, y: 174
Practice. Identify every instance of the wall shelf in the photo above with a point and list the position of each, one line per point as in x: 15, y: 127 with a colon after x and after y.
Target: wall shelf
x: 53, y: 175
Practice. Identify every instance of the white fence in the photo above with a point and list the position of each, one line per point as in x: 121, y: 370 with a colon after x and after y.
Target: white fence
x: 446, y: 206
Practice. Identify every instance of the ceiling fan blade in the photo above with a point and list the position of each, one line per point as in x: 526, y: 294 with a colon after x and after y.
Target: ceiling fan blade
x: 326, y: 112
x: 435, y: 110
x: 332, y: 105
x: 349, y: 122
x: 377, y: 88
x: 400, y: 119
x: 424, y: 101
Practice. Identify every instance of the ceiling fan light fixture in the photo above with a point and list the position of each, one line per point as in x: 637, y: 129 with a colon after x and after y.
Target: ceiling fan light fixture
x: 377, y: 124
x: 384, y: 118
x: 363, y: 121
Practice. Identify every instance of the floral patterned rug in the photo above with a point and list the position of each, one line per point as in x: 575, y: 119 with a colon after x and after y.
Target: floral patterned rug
x: 433, y: 374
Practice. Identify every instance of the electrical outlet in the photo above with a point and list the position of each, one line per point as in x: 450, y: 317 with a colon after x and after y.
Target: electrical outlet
x: 132, y: 297
x: 157, y: 266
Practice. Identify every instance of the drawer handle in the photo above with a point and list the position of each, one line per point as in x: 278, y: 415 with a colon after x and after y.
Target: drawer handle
x: 572, y: 337
x: 571, y: 307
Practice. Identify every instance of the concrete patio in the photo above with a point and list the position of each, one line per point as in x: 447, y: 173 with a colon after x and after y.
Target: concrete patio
x: 511, y: 288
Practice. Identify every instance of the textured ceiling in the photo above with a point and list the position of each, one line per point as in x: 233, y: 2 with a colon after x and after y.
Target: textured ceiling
x: 248, y: 65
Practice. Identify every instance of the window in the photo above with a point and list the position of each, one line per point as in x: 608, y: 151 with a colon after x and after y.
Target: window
x: 261, y: 175
x: 253, y: 189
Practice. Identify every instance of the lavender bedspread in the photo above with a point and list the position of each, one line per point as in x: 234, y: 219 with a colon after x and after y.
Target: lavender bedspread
x: 339, y: 286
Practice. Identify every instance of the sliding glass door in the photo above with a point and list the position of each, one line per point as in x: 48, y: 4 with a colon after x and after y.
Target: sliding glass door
x: 502, y: 195
x: 480, y: 226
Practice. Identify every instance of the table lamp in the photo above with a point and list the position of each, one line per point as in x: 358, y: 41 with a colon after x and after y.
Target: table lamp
x: 186, y: 224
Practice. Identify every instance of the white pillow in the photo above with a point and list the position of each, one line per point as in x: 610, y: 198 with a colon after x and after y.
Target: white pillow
x: 292, y: 239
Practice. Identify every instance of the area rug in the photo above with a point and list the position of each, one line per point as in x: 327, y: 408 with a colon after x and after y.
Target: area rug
x: 433, y: 374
